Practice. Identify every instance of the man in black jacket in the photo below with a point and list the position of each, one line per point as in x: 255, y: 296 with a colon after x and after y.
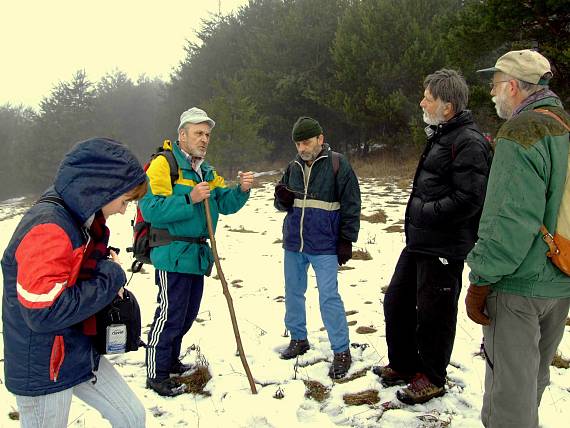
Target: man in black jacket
x: 442, y: 216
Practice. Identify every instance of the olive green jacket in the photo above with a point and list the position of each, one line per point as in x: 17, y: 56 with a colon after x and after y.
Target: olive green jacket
x: 524, y: 191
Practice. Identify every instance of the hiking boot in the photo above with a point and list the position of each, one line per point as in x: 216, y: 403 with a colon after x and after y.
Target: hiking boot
x: 340, y: 365
x: 295, y: 348
x: 390, y: 377
x: 419, y: 390
x: 179, y: 368
x: 167, y: 387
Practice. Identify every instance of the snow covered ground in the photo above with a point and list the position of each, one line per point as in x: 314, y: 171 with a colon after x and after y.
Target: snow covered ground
x: 249, y: 244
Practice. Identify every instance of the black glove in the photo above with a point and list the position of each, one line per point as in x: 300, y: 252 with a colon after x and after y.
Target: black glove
x: 343, y: 251
x: 284, y: 195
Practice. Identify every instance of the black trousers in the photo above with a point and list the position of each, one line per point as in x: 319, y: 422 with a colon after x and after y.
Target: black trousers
x: 420, y: 309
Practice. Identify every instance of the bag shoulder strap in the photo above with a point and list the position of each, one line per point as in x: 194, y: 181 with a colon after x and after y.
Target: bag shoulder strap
x: 554, y: 116
x: 172, y: 164
x: 546, y: 235
x: 335, y: 162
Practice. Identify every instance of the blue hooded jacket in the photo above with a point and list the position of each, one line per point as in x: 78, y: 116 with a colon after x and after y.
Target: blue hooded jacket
x: 43, y: 302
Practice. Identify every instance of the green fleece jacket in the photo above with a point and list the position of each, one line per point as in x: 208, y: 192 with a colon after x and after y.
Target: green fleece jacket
x: 170, y: 207
x: 524, y: 191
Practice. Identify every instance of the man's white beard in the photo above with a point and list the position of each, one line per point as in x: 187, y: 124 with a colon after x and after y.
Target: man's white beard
x: 501, y: 107
x: 436, y: 119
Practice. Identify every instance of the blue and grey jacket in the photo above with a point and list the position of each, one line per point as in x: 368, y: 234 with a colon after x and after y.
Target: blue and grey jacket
x: 326, y: 206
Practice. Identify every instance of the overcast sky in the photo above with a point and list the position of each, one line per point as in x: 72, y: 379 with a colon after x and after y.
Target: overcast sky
x: 43, y: 42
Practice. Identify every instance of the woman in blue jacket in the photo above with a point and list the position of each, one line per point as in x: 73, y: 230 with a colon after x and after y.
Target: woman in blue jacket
x: 58, y: 272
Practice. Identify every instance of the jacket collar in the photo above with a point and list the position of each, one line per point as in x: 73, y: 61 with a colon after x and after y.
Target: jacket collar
x: 460, y: 119
x: 544, y: 97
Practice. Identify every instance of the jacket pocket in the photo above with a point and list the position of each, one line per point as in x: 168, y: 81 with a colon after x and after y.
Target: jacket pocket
x: 56, y: 358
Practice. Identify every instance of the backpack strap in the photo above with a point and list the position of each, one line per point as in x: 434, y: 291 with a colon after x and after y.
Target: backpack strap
x: 335, y: 162
x: 546, y: 235
x: 172, y: 164
x: 554, y: 116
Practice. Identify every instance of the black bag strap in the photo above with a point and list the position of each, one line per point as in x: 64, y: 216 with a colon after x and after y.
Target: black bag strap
x: 158, y: 237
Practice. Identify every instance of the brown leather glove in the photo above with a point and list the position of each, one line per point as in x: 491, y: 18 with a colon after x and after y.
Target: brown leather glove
x: 475, y: 303
x: 343, y: 251
x: 285, y: 196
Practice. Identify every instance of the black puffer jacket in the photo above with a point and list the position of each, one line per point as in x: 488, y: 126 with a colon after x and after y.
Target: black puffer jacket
x: 445, y: 205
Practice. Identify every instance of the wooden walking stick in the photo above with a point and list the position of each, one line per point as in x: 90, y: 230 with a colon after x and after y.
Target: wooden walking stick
x: 228, y: 296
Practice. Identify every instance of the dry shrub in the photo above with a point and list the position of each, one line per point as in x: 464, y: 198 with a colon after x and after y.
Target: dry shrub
x: 14, y: 416
x: 384, y: 289
x: 278, y: 241
x: 361, y: 255
x: 370, y: 396
x: 197, y: 380
x: 316, y: 390
x: 352, y: 312
x: 365, y: 330
x: 378, y: 217
x: 353, y: 322
x: 567, y: 321
x: 386, y: 163
x: 345, y: 267
x: 560, y: 362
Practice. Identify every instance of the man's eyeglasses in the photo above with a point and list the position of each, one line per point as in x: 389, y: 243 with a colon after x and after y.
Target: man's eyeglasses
x: 492, y: 84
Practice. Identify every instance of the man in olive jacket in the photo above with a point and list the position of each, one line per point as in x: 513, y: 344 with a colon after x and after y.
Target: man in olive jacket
x: 517, y: 294
x: 442, y: 215
x: 321, y: 195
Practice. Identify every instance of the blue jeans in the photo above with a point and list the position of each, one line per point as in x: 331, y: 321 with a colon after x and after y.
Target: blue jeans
x: 332, y: 308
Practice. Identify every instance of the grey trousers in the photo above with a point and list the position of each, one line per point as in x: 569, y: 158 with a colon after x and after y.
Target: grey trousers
x: 520, y: 344
x: 110, y: 395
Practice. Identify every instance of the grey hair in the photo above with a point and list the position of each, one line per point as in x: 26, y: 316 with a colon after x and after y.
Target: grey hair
x: 450, y: 87
x: 530, y: 88
x: 526, y: 87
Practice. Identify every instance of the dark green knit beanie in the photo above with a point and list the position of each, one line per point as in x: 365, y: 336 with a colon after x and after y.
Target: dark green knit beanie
x: 306, y: 128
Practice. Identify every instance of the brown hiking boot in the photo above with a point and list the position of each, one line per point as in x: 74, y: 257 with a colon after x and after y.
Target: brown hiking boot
x: 390, y: 377
x: 419, y: 390
x: 340, y: 365
x: 295, y: 348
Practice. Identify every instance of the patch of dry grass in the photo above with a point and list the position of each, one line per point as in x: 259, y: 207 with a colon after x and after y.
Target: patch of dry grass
x: 560, y: 362
x: 316, y: 390
x: 395, y: 228
x: 355, y: 375
x: 361, y: 255
x: 197, y: 380
x: 365, y: 330
x: 242, y: 229
x: 378, y: 217
x: 387, y: 163
x: 370, y: 396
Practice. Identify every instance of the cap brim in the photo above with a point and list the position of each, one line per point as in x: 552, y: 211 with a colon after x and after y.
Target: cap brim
x: 488, y: 70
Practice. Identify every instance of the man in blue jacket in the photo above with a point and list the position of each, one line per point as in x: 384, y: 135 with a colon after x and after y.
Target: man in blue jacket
x: 321, y: 195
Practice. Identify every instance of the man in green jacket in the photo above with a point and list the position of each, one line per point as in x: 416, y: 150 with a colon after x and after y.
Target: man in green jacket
x: 177, y: 209
x: 516, y: 293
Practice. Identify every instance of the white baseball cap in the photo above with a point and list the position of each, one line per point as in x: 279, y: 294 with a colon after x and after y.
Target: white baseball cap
x: 195, y: 115
x: 526, y: 65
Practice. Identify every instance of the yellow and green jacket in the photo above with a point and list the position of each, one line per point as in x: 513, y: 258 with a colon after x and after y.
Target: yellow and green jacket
x: 525, y: 189
x: 170, y: 207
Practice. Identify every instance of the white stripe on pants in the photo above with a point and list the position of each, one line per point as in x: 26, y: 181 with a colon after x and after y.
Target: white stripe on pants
x: 110, y: 395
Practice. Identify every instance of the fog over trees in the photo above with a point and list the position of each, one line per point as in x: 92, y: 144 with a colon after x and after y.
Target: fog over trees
x: 356, y: 65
